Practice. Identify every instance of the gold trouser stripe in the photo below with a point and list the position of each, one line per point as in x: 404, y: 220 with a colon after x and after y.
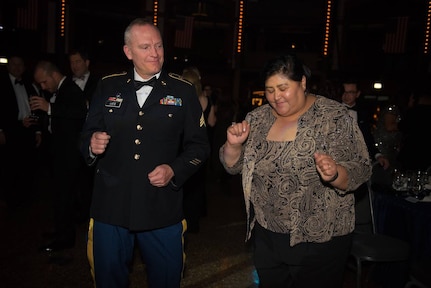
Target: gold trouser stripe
x: 90, y: 255
x: 184, y: 223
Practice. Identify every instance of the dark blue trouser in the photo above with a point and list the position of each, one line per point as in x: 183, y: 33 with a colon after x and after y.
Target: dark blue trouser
x: 110, y: 253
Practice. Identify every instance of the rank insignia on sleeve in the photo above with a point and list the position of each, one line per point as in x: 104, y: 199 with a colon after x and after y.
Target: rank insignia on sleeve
x: 202, y: 121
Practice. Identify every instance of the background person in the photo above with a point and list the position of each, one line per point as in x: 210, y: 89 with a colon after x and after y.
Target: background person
x: 300, y: 155
x: 20, y: 135
x: 363, y: 116
x: 80, y: 66
x: 67, y: 111
x: 226, y: 113
x: 195, y: 187
x: 146, y: 141
x: 207, y: 91
x: 388, y: 137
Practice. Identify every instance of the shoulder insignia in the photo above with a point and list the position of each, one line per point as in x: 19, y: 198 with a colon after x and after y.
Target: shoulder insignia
x: 115, y: 75
x: 179, y: 77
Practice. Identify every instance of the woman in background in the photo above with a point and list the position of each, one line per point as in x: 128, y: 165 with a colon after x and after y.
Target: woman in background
x: 194, y: 188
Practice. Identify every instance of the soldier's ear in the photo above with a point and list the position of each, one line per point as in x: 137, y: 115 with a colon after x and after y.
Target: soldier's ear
x: 127, y: 52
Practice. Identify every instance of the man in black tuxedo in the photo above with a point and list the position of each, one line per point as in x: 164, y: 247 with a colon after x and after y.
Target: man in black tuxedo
x: 363, y: 115
x: 80, y: 66
x: 20, y: 135
x: 67, y: 110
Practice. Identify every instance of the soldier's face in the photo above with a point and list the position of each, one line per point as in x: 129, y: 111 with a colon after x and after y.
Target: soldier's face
x: 145, y: 49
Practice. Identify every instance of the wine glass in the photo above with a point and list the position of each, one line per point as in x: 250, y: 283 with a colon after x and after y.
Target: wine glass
x: 399, y: 181
x: 33, y: 115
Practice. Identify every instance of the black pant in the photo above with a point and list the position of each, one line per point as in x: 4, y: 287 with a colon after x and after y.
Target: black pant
x: 194, y: 202
x: 18, y: 166
x: 304, y: 265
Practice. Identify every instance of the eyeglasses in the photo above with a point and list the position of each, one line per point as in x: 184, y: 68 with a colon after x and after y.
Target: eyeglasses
x: 350, y: 92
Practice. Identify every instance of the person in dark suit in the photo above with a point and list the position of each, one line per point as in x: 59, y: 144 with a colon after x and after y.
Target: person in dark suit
x: 146, y: 141
x: 67, y: 111
x: 20, y: 135
x: 80, y: 66
x: 363, y: 116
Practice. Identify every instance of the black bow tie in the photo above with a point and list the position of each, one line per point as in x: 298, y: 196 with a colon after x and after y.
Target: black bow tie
x: 140, y: 84
x: 18, y: 82
x: 79, y: 78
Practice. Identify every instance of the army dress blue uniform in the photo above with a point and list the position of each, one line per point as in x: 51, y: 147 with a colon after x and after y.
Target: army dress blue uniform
x: 168, y: 129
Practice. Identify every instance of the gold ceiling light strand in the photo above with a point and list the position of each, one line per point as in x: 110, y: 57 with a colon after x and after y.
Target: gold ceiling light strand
x: 427, y: 29
x: 240, y: 26
x: 327, y: 27
x: 63, y: 18
x: 155, y: 12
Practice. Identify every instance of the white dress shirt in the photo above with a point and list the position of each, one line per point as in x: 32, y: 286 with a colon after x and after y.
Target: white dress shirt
x: 21, y: 99
x: 81, y: 81
x: 142, y: 94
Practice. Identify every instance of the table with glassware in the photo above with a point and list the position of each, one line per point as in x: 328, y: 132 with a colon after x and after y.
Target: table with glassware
x: 404, y: 211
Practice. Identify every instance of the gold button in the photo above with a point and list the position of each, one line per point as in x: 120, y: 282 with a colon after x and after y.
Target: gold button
x: 110, y: 110
x: 141, y: 113
x: 138, y: 127
x: 137, y: 141
x: 137, y: 156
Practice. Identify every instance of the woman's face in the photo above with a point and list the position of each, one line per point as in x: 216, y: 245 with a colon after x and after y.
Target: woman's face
x: 285, y: 96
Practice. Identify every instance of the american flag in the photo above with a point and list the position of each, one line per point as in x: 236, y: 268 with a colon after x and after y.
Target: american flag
x: 184, y: 32
x: 395, y: 41
x: 27, y: 16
